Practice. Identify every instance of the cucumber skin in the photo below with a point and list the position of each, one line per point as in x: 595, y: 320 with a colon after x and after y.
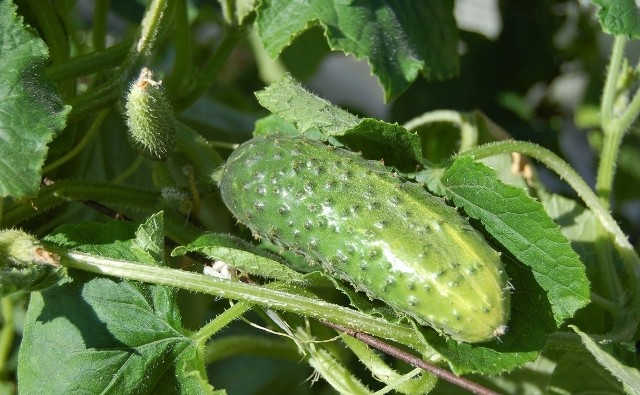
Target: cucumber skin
x: 387, y: 237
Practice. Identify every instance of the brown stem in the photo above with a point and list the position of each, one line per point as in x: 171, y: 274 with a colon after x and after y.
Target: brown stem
x: 413, y: 360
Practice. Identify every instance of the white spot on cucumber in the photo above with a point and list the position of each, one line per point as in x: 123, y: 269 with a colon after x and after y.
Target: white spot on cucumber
x: 397, y: 264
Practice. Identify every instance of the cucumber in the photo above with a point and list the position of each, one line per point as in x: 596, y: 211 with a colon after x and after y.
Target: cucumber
x: 150, y: 118
x: 388, y: 237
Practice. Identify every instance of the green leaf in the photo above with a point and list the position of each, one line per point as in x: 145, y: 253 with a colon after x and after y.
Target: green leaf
x: 240, y: 255
x: 310, y: 114
x: 392, y: 143
x: 31, y: 113
x: 111, y: 336
x: 619, y: 17
x: 629, y: 376
x: 522, y: 226
x: 289, y: 100
x: 399, y: 39
x: 149, y: 241
x: 273, y: 124
x: 595, y: 248
x: 244, y: 8
x: 577, y: 372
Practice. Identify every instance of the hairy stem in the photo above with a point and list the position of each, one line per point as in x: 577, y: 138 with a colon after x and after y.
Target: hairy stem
x: 150, y: 26
x: 562, y: 169
x: 52, y: 29
x: 262, y: 296
x: 413, y: 360
x: 222, y: 320
x: 106, y: 94
x: 611, y: 127
x: 90, y: 63
x: 610, y: 84
x: 7, y: 334
x: 614, y: 125
x: 80, y: 190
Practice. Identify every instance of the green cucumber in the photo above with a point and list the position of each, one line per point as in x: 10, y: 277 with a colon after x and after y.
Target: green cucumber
x: 388, y: 237
x: 150, y: 118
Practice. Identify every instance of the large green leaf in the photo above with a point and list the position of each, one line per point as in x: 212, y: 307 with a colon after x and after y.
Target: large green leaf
x: 619, y: 17
x: 604, y: 267
x: 398, y: 38
x: 522, y: 226
x: 629, y: 376
x: 99, y: 335
x: 318, y: 118
x: 31, y: 113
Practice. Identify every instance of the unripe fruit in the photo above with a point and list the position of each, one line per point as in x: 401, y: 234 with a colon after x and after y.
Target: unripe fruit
x: 150, y: 118
x: 24, y: 264
x: 387, y: 237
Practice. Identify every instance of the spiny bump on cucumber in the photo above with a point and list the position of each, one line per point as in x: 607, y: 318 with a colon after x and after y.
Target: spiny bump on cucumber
x: 150, y: 118
x: 387, y: 237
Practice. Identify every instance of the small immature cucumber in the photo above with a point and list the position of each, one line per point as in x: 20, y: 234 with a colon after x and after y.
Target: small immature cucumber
x: 387, y: 237
x: 150, y: 118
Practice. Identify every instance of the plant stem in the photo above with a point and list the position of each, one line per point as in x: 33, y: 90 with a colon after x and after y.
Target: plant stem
x: 608, y: 159
x: 218, y: 323
x: 95, y: 126
x: 106, y: 94
x: 7, y: 334
x: 605, y: 303
x: 81, y: 190
x: 414, y: 361
x: 223, y: 145
x: 614, y: 126
x: 610, y: 127
x: 262, y: 296
x: 100, y: 13
x: 150, y: 26
x: 468, y: 129
x: 128, y: 172
x: 90, y: 63
x: 610, y: 84
x: 207, y: 75
x: 98, y: 98
x: 52, y: 30
x: 184, y: 51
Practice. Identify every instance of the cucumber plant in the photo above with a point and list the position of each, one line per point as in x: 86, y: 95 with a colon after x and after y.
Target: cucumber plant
x: 442, y: 241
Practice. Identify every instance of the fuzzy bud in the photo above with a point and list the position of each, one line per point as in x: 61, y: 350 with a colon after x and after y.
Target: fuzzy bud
x: 150, y: 118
